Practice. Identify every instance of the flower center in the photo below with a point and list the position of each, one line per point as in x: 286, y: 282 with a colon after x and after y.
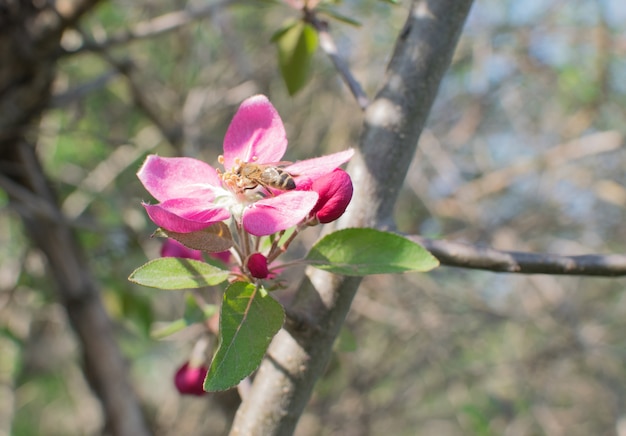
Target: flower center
x: 243, y: 178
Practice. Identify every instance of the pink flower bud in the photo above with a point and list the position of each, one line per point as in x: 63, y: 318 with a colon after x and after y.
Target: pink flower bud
x: 335, y: 193
x: 173, y: 248
x: 222, y: 256
x: 189, y: 380
x: 257, y: 265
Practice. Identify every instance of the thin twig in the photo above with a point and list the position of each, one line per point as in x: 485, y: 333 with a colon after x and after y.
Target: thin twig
x: 328, y: 45
x: 172, y: 132
x: 71, y: 12
x: 500, y: 179
x: 151, y: 28
x: 462, y: 255
x: 81, y: 91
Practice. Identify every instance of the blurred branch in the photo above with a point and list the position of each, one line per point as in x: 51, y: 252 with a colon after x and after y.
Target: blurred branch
x: 328, y: 45
x: 490, y: 183
x: 26, y: 83
x: 151, y: 28
x: 71, y: 11
x: 298, y: 355
x: 104, y: 366
x: 81, y: 91
x: 172, y: 132
x: 27, y: 202
x: 107, y: 171
x: 470, y: 256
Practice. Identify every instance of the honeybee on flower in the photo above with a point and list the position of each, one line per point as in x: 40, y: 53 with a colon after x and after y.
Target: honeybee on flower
x: 193, y: 195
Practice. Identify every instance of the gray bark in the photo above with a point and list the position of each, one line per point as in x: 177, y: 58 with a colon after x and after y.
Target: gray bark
x: 393, y: 122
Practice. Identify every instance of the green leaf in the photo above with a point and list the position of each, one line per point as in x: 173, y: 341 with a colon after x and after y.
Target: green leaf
x: 363, y: 251
x: 177, y: 273
x: 248, y: 322
x: 296, y: 45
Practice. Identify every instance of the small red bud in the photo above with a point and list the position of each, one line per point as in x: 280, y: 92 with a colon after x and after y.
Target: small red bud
x: 189, y: 380
x: 257, y: 265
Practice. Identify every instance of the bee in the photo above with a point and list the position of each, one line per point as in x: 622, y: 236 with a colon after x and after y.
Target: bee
x: 250, y: 175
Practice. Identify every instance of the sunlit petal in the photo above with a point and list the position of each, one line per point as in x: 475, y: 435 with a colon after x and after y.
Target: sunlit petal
x: 185, y: 215
x: 274, y: 214
x: 178, y: 177
x: 256, y: 133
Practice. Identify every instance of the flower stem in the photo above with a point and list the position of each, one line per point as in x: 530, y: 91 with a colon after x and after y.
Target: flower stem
x: 275, y: 252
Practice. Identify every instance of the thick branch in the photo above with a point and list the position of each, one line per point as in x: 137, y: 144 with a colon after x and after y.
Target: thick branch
x: 29, y: 38
x: 393, y: 122
x: 472, y: 257
x: 105, y: 368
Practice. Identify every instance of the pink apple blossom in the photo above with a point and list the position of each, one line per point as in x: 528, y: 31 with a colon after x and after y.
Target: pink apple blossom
x: 193, y: 195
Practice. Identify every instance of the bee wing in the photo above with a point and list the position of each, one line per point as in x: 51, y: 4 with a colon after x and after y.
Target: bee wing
x: 281, y: 163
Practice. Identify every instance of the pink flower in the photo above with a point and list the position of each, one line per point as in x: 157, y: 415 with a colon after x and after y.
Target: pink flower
x: 335, y: 192
x: 190, y: 380
x: 173, y: 248
x: 193, y: 195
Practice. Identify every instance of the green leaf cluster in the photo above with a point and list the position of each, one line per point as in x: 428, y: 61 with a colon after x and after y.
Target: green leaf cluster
x: 249, y: 316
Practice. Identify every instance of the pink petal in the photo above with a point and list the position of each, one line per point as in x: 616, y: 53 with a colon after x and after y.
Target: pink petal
x: 173, y: 248
x: 185, y: 215
x: 311, y: 169
x: 274, y: 214
x: 178, y: 177
x: 256, y: 133
x: 335, y: 191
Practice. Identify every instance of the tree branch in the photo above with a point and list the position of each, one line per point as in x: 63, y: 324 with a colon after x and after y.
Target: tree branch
x: 393, y: 122
x: 71, y: 12
x: 29, y: 39
x: 469, y: 256
x: 328, y: 45
x: 151, y: 28
x: 104, y: 365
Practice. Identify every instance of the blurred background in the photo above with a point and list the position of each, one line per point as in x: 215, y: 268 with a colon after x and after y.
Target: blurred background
x: 523, y: 151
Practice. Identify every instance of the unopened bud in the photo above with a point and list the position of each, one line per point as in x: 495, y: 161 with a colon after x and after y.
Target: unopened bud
x: 190, y: 380
x: 257, y: 265
x: 335, y: 192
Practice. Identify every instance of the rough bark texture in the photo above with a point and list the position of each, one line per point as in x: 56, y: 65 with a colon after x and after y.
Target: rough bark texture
x: 29, y: 42
x: 393, y: 123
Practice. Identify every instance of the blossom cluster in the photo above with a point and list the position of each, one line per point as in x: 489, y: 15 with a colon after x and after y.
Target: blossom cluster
x: 256, y: 193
